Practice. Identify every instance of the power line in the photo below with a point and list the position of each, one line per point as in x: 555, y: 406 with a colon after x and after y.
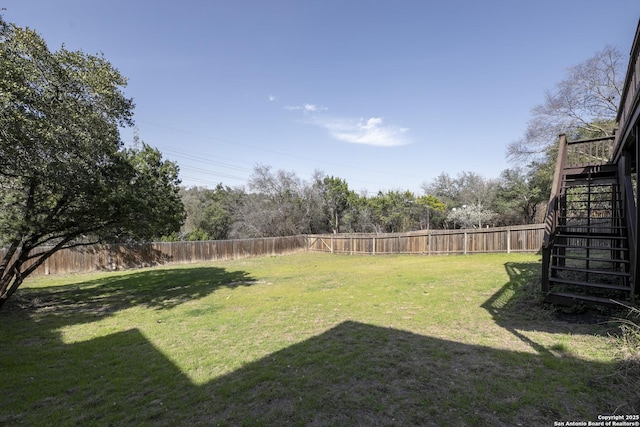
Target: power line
x: 280, y: 153
x: 208, y: 172
x: 202, y: 160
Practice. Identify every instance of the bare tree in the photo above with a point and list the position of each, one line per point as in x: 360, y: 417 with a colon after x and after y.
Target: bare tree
x: 582, y: 105
x: 279, y: 204
x: 466, y: 189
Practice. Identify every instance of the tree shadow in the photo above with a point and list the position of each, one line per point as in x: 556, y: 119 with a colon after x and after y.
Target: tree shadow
x: 157, y: 289
x: 353, y: 374
x: 125, y: 256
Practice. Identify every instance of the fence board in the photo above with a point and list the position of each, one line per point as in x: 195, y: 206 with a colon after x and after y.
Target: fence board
x: 125, y: 256
x: 525, y: 238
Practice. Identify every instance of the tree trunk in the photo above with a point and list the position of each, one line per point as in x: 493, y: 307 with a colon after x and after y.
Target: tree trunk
x: 17, y: 281
x: 5, y: 280
x: 11, y: 280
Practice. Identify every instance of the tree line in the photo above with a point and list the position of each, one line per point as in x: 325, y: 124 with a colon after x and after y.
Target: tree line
x: 279, y: 203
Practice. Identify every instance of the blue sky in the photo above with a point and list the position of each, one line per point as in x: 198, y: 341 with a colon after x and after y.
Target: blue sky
x: 384, y: 94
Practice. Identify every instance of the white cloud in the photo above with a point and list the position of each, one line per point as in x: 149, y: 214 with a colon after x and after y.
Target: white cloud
x: 272, y: 98
x: 369, y: 132
x: 306, y: 107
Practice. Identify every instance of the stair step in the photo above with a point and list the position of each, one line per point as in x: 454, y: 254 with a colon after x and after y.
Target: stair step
x: 612, y: 227
x: 586, y: 175
x: 585, y: 218
x: 600, y: 231
x: 589, y: 284
x: 593, y: 172
x: 580, y: 209
x: 593, y: 221
x: 575, y: 222
x: 584, y: 182
x: 579, y: 258
x: 565, y: 298
x: 574, y: 214
x: 602, y: 248
x: 601, y: 203
x: 601, y: 236
x: 599, y: 197
x: 592, y: 271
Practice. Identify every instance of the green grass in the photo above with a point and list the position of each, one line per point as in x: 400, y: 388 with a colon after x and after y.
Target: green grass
x: 309, y: 339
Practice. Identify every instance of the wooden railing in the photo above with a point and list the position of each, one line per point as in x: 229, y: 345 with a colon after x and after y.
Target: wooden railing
x: 551, y: 219
x: 628, y: 109
x: 628, y: 194
x: 589, y: 152
x: 627, y: 155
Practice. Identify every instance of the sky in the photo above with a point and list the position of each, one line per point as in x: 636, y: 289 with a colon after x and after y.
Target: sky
x: 384, y: 94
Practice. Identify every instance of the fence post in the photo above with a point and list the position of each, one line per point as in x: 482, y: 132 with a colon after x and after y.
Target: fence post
x: 528, y: 238
x: 465, y: 242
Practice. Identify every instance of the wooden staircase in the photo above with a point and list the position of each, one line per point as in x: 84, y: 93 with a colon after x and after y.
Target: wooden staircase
x: 591, y: 244
x: 586, y: 255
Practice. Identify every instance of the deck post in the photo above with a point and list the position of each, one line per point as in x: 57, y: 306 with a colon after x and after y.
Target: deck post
x: 636, y: 216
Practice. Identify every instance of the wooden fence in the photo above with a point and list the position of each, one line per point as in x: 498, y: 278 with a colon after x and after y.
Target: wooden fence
x: 527, y: 238
x: 121, y: 256
x: 524, y: 238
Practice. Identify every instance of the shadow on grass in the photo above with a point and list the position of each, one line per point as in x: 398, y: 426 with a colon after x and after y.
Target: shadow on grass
x: 156, y: 289
x: 517, y: 306
x: 352, y: 374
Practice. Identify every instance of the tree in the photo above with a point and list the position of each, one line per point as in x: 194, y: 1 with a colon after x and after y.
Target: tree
x: 467, y: 189
x: 520, y: 194
x: 358, y: 218
x: 394, y: 211
x: 444, y: 188
x: 218, y: 212
x: 275, y: 206
x: 65, y: 178
x: 583, y: 105
x: 337, y: 200
x: 428, y: 206
x: 472, y: 216
x: 209, y: 213
x: 313, y: 203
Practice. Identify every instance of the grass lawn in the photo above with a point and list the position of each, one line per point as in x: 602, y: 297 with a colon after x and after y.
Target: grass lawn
x: 308, y: 339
